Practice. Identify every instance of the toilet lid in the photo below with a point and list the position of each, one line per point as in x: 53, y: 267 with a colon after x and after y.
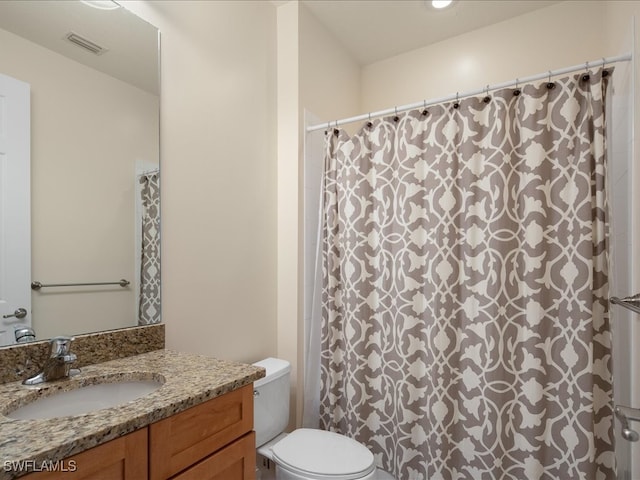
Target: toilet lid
x: 321, y: 454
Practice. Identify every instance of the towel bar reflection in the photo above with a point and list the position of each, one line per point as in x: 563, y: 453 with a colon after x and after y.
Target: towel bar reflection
x: 632, y: 303
x: 37, y: 285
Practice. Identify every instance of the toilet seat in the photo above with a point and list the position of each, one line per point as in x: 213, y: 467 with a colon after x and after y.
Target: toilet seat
x: 322, y: 455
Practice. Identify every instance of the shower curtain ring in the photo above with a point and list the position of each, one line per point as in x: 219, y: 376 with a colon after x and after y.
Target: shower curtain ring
x: 369, y: 123
x: 424, y: 106
x: 486, y: 98
x: 586, y: 75
x: 457, y: 103
x: 516, y: 92
x: 396, y: 118
x: 550, y: 84
x: 605, y: 72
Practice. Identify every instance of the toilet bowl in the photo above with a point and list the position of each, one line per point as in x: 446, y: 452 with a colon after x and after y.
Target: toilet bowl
x: 304, y: 454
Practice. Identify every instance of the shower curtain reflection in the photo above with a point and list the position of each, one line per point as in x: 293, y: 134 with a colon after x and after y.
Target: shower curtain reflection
x: 149, y: 301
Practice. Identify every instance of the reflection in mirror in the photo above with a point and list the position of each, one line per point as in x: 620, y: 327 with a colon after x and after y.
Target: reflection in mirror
x: 94, y: 158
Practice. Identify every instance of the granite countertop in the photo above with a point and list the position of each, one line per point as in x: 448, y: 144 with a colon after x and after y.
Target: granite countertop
x: 188, y: 381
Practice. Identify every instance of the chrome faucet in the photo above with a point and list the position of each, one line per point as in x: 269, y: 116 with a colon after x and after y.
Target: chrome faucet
x: 58, y: 365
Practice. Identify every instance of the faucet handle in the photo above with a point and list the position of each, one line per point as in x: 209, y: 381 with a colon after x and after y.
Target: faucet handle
x: 59, y: 346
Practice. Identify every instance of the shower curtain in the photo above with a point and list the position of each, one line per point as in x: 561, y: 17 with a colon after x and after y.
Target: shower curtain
x: 465, y: 332
x: 149, y: 301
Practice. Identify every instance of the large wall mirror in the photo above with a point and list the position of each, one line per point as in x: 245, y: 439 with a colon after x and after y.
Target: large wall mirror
x: 93, y: 76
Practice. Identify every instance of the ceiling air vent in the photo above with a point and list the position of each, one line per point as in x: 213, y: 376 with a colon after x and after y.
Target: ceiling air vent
x: 85, y: 43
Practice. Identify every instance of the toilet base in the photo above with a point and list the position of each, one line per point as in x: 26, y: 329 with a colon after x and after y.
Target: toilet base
x: 265, y: 468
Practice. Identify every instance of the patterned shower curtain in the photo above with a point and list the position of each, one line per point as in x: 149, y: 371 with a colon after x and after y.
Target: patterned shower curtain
x: 465, y: 329
x: 149, y: 301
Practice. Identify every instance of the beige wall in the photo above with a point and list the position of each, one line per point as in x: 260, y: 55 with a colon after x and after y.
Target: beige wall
x: 329, y: 89
x: 314, y: 74
x: 289, y: 120
x: 88, y: 130
x: 546, y: 39
x: 218, y: 160
x: 329, y: 77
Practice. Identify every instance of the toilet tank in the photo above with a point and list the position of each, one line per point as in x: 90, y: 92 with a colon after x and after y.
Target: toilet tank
x: 271, y: 400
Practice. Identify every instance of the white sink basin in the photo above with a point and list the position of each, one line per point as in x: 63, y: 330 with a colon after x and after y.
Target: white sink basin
x: 85, y: 399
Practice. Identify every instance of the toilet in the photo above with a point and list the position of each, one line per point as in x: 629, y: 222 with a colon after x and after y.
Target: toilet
x: 305, y: 453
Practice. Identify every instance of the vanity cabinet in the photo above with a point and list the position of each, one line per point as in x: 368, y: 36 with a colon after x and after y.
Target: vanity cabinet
x: 119, y: 459
x: 210, y: 441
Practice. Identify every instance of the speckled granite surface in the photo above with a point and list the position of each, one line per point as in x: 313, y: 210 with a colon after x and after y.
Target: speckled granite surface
x: 188, y: 380
x: 18, y: 362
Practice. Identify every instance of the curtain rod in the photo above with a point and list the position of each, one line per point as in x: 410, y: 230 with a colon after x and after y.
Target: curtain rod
x: 148, y: 172
x: 426, y: 103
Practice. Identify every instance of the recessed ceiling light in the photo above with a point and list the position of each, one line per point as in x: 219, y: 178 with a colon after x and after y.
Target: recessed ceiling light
x: 441, y: 3
x: 101, y: 4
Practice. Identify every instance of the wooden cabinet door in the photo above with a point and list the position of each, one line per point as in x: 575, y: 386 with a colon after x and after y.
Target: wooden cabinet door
x: 124, y: 458
x: 235, y: 462
x: 182, y: 440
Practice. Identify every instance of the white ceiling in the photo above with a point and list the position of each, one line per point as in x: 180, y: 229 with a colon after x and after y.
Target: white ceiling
x: 372, y: 30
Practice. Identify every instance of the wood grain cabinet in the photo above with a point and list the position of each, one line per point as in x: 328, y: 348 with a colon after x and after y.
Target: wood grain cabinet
x: 119, y: 459
x: 211, y: 441
x: 186, y: 441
